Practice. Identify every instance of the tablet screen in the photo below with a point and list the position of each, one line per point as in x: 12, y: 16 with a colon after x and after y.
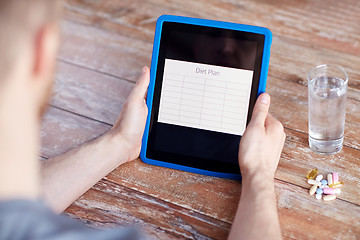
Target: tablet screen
x: 206, y: 85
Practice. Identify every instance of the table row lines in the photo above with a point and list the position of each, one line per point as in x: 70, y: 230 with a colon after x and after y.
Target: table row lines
x: 208, y: 113
x: 209, y: 90
x: 211, y: 103
x: 199, y: 80
x: 198, y: 109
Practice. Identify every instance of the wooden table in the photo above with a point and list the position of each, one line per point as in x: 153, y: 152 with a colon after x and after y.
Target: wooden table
x: 105, y: 44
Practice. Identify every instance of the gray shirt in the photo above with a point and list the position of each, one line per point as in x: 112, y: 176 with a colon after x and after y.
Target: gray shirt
x: 27, y: 220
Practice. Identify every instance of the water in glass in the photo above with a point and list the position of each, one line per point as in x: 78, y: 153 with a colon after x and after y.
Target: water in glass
x: 327, y: 97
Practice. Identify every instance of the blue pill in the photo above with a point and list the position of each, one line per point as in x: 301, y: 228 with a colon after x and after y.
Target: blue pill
x: 319, y: 191
x: 324, y: 182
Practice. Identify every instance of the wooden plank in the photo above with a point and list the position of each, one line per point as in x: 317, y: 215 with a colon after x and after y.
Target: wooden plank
x: 290, y: 62
x: 297, y: 160
x: 331, y: 24
x: 90, y: 93
x: 184, y: 189
x: 103, y: 51
x: 110, y: 205
x: 287, y: 84
x: 62, y: 131
x: 181, y: 187
x: 304, y: 217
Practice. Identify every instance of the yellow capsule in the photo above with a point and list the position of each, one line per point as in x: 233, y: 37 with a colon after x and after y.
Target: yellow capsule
x: 312, y: 174
x: 336, y: 185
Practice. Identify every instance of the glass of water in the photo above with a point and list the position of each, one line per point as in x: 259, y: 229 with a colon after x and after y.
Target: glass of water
x: 327, y: 87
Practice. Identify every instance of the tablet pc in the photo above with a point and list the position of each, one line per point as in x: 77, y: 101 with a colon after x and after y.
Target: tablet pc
x: 204, y: 80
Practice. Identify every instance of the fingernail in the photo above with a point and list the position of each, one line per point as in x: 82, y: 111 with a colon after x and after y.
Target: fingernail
x: 265, y: 99
x: 144, y: 69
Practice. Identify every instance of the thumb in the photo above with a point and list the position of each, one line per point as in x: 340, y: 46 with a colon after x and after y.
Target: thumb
x: 261, y: 109
x: 141, y: 86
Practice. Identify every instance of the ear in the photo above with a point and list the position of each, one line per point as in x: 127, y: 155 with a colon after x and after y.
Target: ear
x: 45, y: 51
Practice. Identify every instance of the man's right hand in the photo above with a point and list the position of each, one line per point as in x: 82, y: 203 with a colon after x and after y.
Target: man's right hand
x: 262, y: 142
x: 259, y: 153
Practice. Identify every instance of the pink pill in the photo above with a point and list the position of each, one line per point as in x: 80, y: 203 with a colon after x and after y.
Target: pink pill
x: 331, y: 191
x: 335, y: 176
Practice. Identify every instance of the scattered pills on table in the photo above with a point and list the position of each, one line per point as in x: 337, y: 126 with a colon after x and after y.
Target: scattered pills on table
x: 314, y: 182
x: 319, y: 191
x: 319, y: 177
x: 335, y: 177
x: 313, y: 189
x: 312, y: 174
x: 325, y: 189
x: 329, y: 197
x: 329, y: 179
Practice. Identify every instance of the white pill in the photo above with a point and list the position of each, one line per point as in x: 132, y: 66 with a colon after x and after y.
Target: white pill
x: 318, y: 196
x: 337, y: 190
x: 312, y: 190
x: 313, y: 182
x: 329, y: 178
x: 329, y: 197
x: 319, y: 177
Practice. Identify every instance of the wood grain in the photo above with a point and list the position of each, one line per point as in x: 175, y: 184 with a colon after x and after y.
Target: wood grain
x: 115, y: 205
x: 213, y: 197
x: 105, y: 44
x: 90, y: 93
x: 110, y: 205
x: 282, y: 84
x: 95, y: 101
x: 62, y: 131
x: 332, y: 24
x: 103, y: 51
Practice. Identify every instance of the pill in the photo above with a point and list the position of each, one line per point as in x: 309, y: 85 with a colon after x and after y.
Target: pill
x: 323, y: 186
x: 335, y: 177
x: 319, y: 191
x: 324, y: 182
x: 318, y: 196
x: 312, y: 174
x: 331, y: 191
x: 319, y: 177
x: 313, y: 182
x: 312, y: 189
x: 336, y: 185
x: 329, y: 179
x: 329, y: 197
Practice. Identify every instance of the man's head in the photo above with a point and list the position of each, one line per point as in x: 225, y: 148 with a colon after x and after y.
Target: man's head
x: 28, y: 47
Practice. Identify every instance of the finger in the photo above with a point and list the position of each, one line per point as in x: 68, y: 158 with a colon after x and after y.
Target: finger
x: 261, y: 109
x: 141, y: 86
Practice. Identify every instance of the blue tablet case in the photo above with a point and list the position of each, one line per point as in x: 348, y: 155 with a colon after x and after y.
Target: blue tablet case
x: 209, y: 23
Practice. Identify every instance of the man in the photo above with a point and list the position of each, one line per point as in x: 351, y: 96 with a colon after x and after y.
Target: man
x: 28, y: 46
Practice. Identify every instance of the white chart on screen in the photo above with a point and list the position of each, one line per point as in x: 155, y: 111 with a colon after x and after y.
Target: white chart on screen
x: 205, y: 96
